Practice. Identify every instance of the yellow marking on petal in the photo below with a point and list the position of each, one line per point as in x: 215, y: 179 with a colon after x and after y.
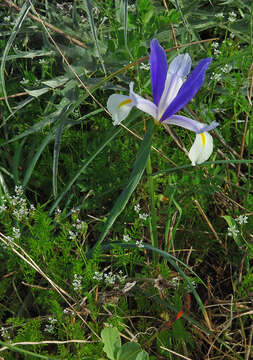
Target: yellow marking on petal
x: 203, y: 139
x: 125, y: 102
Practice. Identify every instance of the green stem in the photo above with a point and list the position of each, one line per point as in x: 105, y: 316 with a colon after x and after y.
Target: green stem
x: 153, y: 226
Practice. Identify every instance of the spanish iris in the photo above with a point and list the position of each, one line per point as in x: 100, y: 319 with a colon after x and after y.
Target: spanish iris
x: 172, y: 90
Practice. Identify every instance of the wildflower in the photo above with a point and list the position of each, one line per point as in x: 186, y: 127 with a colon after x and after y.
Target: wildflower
x: 16, y: 233
x: 216, y: 52
x: 137, y: 208
x: 226, y: 69
x: 143, y: 216
x: 7, y: 18
x: 72, y: 235
x: 144, y: 66
x: 126, y: 238
x: 49, y: 328
x: 242, y: 219
x: 4, y: 333
x: 139, y: 244
x: 215, y: 45
x: 171, y: 92
x: 220, y: 15
x: 98, y: 276
x: 77, y: 282
x: 110, y: 278
x: 232, y: 35
x: 232, y: 17
x: 232, y: 231
x: 216, y: 77
x: 3, y: 208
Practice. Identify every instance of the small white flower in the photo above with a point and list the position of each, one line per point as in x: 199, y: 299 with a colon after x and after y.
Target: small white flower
x: 42, y: 61
x: 144, y: 66
x: 220, y: 15
x: 4, y: 333
x: 131, y: 8
x: 110, y: 278
x: 216, y: 77
x: 232, y: 35
x: 7, y: 18
x: 226, y: 69
x: 137, y: 208
x: 232, y: 231
x: 242, y: 219
x: 98, y: 276
x: 126, y: 238
x: 232, y: 17
x: 72, y: 235
x: 16, y: 233
x: 143, y: 216
x: 49, y: 328
x: 52, y: 320
x: 215, y: 45
x: 77, y: 282
x: 216, y: 52
x: 3, y: 208
x: 139, y: 244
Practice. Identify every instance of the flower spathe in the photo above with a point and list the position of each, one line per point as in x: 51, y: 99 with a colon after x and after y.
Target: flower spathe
x: 172, y: 90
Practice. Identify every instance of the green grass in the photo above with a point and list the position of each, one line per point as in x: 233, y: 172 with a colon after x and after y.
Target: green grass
x: 73, y: 186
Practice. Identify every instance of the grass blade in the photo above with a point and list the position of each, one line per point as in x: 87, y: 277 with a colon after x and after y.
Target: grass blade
x: 93, y: 31
x: 22, y: 15
x: 136, y: 174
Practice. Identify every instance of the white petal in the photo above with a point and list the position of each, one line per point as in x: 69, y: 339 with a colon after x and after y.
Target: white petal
x: 119, y: 106
x: 190, y: 124
x: 201, y: 149
x: 181, y: 65
x: 142, y: 104
x: 179, y: 68
x: 172, y: 85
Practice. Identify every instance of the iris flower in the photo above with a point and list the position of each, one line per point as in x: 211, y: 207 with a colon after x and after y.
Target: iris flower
x: 172, y: 90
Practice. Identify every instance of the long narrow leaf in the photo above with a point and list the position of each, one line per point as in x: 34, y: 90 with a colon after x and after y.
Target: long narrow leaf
x: 135, y: 177
x: 108, y: 139
x: 57, y: 144
x: 93, y: 31
x: 22, y: 15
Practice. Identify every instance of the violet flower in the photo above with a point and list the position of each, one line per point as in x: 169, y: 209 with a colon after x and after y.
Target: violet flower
x: 172, y: 90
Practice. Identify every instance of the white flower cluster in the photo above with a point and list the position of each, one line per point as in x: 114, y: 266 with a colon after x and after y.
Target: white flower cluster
x: 24, y: 81
x: 4, y: 333
x: 137, y: 208
x: 7, y: 18
x: 242, y: 219
x: 16, y: 233
x: 226, y: 68
x: 126, y: 238
x: 50, y: 327
x: 232, y: 231
x: 18, y: 204
x: 77, y: 282
x: 110, y: 278
x: 216, y: 77
x: 142, y: 216
x: 144, y: 66
x: 232, y: 17
x: 139, y: 244
x: 72, y: 235
x: 219, y: 15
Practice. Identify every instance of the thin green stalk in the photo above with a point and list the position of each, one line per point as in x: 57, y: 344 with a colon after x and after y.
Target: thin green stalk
x: 153, y: 227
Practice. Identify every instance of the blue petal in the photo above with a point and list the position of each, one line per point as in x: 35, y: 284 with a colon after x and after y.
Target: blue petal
x: 188, y: 89
x: 158, y: 69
